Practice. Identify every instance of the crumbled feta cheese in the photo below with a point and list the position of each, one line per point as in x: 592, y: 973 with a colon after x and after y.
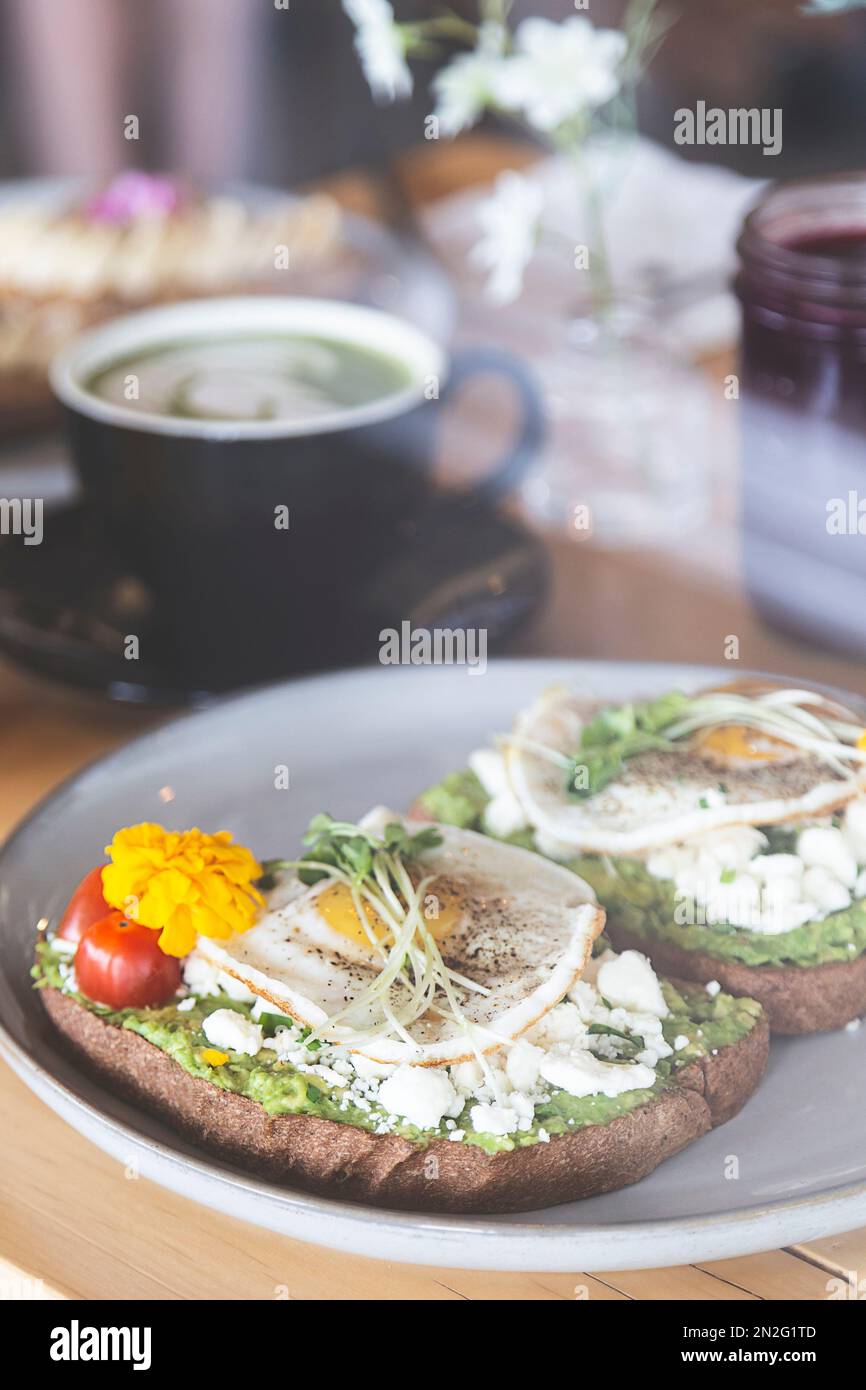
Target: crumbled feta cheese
x: 286, y: 1043
x: 583, y: 994
x: 824, y: 888
x: 421, y: 1095
x: 713, y: 988
x: 853, y: 1026
x: 457, y: 1134
x: 773, y: 866
x: 467, y: 1077
x: 731, y: 882
x: 826, y: 848
x: 561, y: 1024
x: 582, y: 1074
x: 784, y: 905
x: 680, y: 1041
x: 854, y: 828
x: 493, y: 1119
x: 232, y: 1030
x: 184, y: 1005
x: 730, y: 847
x: 326, y: 1074
x: 630, y: 981
x: 737, y: 901
x: 523, y: 1065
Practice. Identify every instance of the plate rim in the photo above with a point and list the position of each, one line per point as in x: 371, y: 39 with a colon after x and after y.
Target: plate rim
x: 458, y: 1241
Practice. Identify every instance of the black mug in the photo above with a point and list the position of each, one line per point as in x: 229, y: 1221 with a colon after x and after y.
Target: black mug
x: 257, y: 539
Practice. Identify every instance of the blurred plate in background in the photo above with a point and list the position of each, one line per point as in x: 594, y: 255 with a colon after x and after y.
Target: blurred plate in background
x: 53, y: 284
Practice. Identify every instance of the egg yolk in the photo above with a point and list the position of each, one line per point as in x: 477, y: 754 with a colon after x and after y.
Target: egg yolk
x: 739, y: 741
x: 335, y: 905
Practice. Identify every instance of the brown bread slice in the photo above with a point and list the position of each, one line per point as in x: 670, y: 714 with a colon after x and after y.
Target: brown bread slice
x: 338, y: 1160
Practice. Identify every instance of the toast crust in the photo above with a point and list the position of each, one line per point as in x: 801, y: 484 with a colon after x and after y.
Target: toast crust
x: 796, y: 998
x: 339, y: 1160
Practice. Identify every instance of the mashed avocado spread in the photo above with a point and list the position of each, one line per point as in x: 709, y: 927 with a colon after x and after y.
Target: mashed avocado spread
x: 280, y: 1088
x: 645, y: 906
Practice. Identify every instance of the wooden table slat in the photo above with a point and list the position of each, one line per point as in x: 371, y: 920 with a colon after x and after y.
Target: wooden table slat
x: 839, y: 1255
x: 677, y: 1281
x: 776, y: 1274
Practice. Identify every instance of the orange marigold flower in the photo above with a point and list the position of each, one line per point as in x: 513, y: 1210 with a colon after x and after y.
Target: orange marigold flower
x: 184, y: 884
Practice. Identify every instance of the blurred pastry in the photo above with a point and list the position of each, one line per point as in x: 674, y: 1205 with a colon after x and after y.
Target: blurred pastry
x: 143, y: 239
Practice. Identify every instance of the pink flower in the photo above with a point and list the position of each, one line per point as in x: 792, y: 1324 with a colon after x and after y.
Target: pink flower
x: 134, y: 194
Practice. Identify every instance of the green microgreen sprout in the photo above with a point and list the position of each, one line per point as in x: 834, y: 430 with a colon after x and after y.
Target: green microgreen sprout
x: 669, y: 722
x: 376, y: 870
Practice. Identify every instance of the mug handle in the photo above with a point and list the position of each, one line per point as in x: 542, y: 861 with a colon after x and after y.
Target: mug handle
x: 530, y: 429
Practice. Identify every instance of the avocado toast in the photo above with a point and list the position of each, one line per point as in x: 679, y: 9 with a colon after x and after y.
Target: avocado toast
x: 746, y: 862
x: 290, y: 1126
x: 564, y: 1074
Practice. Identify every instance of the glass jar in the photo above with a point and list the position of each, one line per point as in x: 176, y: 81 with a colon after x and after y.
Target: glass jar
x: 802, y: 289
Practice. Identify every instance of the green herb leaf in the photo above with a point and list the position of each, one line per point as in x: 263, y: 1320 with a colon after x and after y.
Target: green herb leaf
x: 617, y: 733
x: 632, y: 1038
x: 656, y: 715
x: 352, y: 849
x: 271, y: 1022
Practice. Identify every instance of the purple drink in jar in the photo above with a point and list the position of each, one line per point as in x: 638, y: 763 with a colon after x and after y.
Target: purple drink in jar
x: 802, y: 288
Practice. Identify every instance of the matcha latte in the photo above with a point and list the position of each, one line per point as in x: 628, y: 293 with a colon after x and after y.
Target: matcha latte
x: 280, y: 376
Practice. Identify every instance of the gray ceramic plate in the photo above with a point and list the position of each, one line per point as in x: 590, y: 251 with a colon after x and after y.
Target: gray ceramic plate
x: 350, y: 741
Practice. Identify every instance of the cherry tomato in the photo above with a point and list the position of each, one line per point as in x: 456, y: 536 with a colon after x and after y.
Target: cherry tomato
x: 85, y: 906
x: 119, y: 963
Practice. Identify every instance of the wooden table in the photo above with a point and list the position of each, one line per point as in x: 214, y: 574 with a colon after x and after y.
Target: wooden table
x: 74, y: 1224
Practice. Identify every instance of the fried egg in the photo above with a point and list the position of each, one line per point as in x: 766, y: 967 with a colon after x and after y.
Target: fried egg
x: 728, y: 775
x: 519, y: 927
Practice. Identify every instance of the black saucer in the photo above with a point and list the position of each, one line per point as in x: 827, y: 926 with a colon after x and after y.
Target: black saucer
x: 67, y: 605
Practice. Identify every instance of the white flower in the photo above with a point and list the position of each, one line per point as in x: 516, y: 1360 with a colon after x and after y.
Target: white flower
x: 559, y: 70
x: 380, y: 47
x: 509, y: 219
x: 466, y: 86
